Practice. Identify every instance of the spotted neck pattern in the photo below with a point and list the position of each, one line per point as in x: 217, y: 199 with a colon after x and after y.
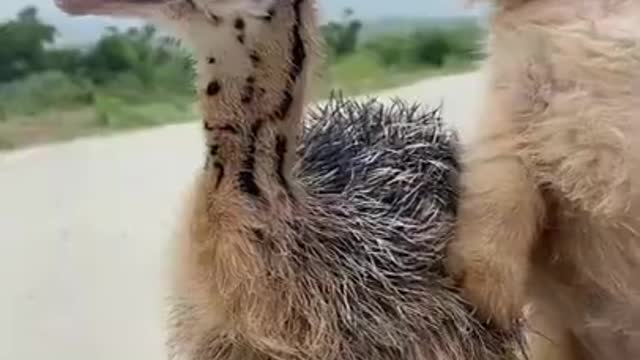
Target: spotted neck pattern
x: 252, y: 85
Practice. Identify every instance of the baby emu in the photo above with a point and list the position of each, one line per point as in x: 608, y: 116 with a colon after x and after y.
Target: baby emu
x: 328, y: 250
x: 550, y: 206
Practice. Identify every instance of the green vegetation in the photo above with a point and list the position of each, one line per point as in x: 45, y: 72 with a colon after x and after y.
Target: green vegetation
x: 392, y: 59
x: 136, y: 78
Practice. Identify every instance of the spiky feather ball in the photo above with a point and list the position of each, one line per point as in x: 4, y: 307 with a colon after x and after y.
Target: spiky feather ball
x: 369, y: 248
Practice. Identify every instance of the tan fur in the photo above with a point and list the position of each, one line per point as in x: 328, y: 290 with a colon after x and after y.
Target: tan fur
x: 551, y: 207
x: 221, y: 278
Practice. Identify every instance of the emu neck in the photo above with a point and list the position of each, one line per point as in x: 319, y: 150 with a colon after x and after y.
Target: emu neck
x: 252, y: 81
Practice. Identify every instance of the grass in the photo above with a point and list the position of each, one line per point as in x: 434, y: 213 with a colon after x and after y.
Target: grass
x: 361, y: 73
x: 106, y: 117
x: 355, y: 74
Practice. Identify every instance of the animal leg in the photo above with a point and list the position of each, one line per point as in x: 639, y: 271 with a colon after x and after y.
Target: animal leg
x: 499, y: 219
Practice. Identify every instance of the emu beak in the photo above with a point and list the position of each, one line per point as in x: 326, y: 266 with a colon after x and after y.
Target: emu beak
x: 124, y: 8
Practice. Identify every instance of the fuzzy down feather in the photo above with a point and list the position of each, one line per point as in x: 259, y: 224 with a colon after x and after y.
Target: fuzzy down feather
x: 384, y: 184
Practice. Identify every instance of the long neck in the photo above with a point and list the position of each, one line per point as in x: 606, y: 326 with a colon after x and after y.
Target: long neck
x: 252, y: 86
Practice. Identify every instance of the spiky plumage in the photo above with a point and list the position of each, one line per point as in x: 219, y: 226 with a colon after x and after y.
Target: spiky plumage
x: 383, y: 184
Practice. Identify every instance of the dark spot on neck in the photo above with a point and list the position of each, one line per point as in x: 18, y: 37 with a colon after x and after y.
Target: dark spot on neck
x: 246, y: 98
x: 240, y: 38
x: 247, y: 176
x: 298, y: 53
x: 285, y: 104
x: 255, y: 58
x: 259, y: 234
x: 217, y: 20
x: 248, y: 90
x: 270, y: 14
x: 281, y: 151
x: 213, y: 88
x: 211, y: 60
x: 239, y: 24
x: 297, y: 58
x: 218, y: 166
x: 228, y: 128
x: 213, y: 149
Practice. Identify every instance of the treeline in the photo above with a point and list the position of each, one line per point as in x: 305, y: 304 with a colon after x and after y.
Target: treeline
x: 432, y: 46
x: 27, y: 49
x: 139, y: 65
x: 428, y: 45
x: 36, y: 75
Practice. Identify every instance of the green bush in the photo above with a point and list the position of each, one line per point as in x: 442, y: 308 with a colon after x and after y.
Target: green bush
x: 433, y: 46
x: 390, y: 49
x: 38, y: 92
x: 24, y: 40
x: 115, y: 113
x: 341, y: 37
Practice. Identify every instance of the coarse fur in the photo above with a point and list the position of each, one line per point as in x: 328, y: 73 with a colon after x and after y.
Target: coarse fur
x: 550, y: 204
x: 331, y: 248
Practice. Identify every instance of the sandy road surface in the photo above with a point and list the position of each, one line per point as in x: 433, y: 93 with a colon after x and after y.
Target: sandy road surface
x: 84, y: 229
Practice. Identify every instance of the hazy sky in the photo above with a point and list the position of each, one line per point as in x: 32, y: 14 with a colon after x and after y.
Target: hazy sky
x: 78, y: 29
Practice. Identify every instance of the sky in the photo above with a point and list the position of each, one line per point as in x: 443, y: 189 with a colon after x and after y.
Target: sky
x: 83, y: 29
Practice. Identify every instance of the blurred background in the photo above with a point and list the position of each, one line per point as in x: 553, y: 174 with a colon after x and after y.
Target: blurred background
x: 114, y: 75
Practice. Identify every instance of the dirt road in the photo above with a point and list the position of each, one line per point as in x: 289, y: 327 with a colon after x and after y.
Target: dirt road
x: 84, y: 233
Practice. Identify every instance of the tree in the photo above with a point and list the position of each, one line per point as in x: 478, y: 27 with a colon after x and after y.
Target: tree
x: 390, y: 49
x: 66, y: 60
x: 431, y: 46
x: 136, y: 52
x: 342, y: 37
x: 23, y: 44
x: 119, y: 52
x: 111, y: 54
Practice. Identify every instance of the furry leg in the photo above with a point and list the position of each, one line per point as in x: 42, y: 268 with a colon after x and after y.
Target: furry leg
x: 500, y: 214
